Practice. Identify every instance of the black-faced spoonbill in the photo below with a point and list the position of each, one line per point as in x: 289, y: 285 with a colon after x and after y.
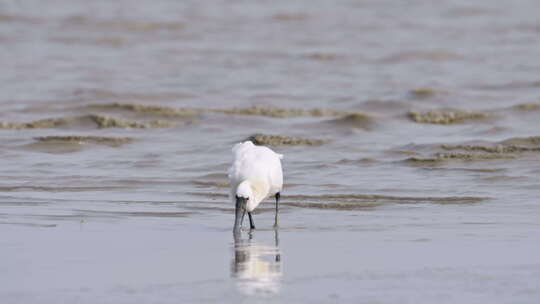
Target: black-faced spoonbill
x: 255, y: 174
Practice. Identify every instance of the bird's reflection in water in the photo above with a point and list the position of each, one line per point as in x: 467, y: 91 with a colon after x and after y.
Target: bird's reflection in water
x: 256, y: 266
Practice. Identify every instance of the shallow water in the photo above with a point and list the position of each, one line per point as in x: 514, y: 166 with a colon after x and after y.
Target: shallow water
x: 410, y: 140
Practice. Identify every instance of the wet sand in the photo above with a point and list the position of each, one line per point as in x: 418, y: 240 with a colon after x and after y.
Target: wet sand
x: 411, y: 144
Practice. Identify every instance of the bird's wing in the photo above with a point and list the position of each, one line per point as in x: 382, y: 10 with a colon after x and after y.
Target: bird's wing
x: 246, y: 164
x: 241, y: 160
x: 256, y: 162
x: 274, y: 171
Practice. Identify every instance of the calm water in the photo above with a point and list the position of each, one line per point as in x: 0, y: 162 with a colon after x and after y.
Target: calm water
x: 128, y: 203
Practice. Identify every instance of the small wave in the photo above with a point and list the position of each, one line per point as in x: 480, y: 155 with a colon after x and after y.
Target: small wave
x: 102, y: 41
x: 447, y: 199
x: 356, y: 120
x: 446, y: 116
x: 426, y: 92
x: 100, y: 121
x: 281, y: 112
x: 364, y: 160
x: 435, y: 55
x: 511, y: 85
x: 527, y: 107
x: 335, y: 205
x: 510, y: 145
x: 256, y: 110
x: 355, y: 198
x: 211, y: 184
x: 19, y: 19
x: 470, y: 12
x: 498, y: 148
x: 523, y: 141
x: 384, y: 106
x: 115, y: 141
x: 29, y: 224
x: 148, y: 109
x: 478, y: 170
x: 506, y: 149
x: 58, y: 189
x: 39, y: 124
x: 121, y: 24
x: 504, y: 178
x: 320, y: 56
x: 440, y: 157
x: 279, y: 140
x: 290, y: 16
x: 135, y: 213
x: 102, y: 94
x: 113, y: 122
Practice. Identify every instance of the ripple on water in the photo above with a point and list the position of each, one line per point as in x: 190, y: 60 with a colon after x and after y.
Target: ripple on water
x: 148, y: 109
x: 357, y: 201
x: 77, y: 139
x: 74, y: 143
x: 36, y: 225
x: 357, y: 120
x: 280, y: 140
x: 447, y: 116
x: 507, y: 149
x: 59, y: 188
x: 95, y: 120
x: 134, y: 213
x: 116, y: 24
x: 255, y: 110
x: 527, y: 107
x: 434, y: 55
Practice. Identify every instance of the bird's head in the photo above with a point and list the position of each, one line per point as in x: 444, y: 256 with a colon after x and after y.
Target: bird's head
x: 243, y: 194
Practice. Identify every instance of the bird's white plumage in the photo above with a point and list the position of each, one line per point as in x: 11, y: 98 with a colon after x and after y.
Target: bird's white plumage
x: 255, y: 173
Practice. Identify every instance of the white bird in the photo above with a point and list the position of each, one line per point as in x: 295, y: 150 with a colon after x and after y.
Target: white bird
x: 255, y: 174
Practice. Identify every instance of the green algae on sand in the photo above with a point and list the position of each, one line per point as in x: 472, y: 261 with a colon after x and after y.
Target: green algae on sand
x: 279, y: 140
x: 446, y: 116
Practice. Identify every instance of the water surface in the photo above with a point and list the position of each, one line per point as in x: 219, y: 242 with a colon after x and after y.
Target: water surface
x: 410, y: 134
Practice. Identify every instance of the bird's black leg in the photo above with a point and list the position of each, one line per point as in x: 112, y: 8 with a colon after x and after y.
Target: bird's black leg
x: 278, y: 255
x: 242, y: 221
x: 251, y: 224
x: 278, y: 195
